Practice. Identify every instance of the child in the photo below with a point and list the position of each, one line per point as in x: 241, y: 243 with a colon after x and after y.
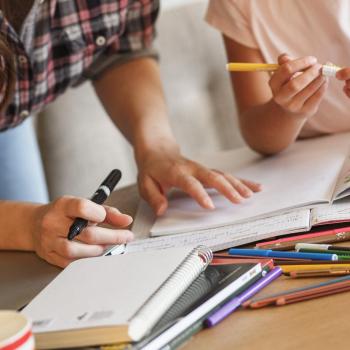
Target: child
x: 296, y: 100
x: 46, y: 46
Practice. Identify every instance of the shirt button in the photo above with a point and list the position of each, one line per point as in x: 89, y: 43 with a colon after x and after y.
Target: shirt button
x: 22, y: 59
x: 24, y: 114
x: 100, y: 40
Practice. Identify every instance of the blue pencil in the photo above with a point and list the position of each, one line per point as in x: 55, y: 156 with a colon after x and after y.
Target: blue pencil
x: 278, y: 254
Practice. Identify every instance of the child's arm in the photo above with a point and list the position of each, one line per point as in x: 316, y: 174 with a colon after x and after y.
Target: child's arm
x: 44, y: 228
x: 272, y: 110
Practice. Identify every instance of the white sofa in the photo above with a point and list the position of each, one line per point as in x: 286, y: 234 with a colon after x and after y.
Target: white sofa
x: 80, y: 145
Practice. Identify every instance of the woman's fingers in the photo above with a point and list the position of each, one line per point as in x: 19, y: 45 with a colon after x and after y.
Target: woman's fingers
x: 58, y: 260
x: 75, y: 250
x: 218, y: 180
x: 254, y: 186
x: 96, y: 235
x: 115, y: 218
x: 195, y: 189
x: 151, y: 192
x: 82, y: 208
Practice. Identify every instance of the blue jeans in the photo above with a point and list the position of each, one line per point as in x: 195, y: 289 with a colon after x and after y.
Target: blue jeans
x: 22, y: 175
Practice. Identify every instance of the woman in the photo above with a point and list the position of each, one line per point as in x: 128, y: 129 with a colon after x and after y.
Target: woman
x: 50, y: 45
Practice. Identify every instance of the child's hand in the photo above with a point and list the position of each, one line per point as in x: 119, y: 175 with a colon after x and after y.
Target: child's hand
x: 54, y: 220
x: 297, y: 86
x: 161, y: 170
x: 344, y: 74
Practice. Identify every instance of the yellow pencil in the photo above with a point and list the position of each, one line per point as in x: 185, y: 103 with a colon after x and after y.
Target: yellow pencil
x: 306, y: 267
x: 251, y: 67
x: 328, y: 69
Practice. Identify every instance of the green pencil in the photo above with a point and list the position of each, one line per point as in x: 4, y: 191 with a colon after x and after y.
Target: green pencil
x: 340, y: 253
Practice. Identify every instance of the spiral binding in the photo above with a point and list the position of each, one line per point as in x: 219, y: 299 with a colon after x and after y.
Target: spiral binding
x: 175, y: 285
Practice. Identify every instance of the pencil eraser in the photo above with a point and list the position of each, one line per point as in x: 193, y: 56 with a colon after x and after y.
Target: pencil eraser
x: 329, y: 69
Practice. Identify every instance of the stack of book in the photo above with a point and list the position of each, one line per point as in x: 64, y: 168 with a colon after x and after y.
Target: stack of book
x: 145, y: 300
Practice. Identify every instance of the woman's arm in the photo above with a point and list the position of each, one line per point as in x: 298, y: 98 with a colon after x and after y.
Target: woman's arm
x: 133, y: 97
x: 272, y: 110
x: 44, y: 228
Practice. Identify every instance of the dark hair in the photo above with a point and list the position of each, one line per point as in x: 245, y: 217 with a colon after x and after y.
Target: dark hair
x: 15, y: 12
x: 7, y: 73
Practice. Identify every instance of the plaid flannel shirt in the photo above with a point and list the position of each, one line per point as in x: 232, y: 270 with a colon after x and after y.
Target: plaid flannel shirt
x: 61, y: 40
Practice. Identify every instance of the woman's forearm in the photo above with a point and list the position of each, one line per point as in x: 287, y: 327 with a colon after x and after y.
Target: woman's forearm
x: 17, y: 222
x: 133, y: 97
x: 268, y: 129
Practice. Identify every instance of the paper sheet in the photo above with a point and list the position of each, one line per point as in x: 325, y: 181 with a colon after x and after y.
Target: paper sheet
x: 337, y: 212
x: 229, y: 236
x: 304, y: 175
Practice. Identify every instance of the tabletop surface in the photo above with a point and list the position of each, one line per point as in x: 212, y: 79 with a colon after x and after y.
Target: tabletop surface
x: 322, y: 323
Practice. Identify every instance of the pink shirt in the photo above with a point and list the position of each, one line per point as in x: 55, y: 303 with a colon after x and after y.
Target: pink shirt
x: 298, y: 27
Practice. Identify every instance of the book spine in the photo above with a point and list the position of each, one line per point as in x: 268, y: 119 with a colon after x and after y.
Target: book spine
x: 184, y: 336
x: 177, y: 283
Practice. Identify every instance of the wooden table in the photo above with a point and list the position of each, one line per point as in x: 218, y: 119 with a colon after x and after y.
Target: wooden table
x: 317, y: 324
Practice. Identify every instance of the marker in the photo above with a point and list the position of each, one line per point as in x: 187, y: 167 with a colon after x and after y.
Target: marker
x: 324, y: 247
x: 101, y: 194
x: 279, y: 254
x: 328, y: 69
x: 236, y: 302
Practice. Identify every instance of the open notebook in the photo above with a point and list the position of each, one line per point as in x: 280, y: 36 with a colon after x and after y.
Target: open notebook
x: 309, y: 174
x: 112, y: 299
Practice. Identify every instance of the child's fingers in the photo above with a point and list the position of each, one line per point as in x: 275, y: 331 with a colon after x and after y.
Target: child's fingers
x: 312, y: 103
x: 301, y: 82
x: 283, y: 58
x: 298, y: 102
x: 346, y: 91
x: 343, y: 74
x: 288, y: 69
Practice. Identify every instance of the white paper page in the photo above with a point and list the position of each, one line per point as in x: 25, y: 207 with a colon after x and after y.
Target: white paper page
x: 303, y: 175
x: 143, y: 220
x: 92, y: 292
x: 337, y: 212
x: 342, y: 188
x: 229, y: 236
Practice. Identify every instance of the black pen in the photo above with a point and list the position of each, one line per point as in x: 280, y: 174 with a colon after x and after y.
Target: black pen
x: 101, y: 194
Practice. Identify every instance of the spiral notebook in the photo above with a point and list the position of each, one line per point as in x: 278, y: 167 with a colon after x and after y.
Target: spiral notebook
x: 114, y: 298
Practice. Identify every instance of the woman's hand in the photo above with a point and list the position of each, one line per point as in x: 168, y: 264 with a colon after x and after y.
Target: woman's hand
x: 344, y: 75
x: 54, y: 220
x: 297, y: 86
x: 165, y: 168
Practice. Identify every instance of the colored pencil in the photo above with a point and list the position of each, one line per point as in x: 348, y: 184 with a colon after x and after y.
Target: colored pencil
x: 299, y: 294
x: 319, y: 273
x: 287, y: 243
